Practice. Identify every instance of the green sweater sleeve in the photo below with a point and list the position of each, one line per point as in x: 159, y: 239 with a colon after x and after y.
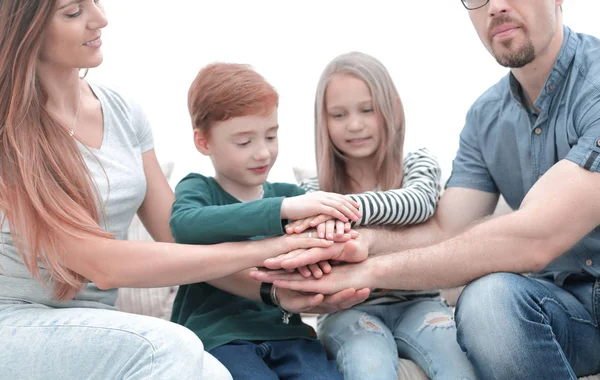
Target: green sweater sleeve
x: 201, y: 214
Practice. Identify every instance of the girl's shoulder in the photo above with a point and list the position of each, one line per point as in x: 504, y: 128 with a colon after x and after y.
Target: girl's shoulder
x: 420, y: 156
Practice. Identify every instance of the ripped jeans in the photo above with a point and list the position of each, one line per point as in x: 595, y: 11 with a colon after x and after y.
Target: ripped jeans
x: 367, y: 340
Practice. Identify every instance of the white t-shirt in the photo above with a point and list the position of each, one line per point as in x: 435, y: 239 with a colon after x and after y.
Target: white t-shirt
x: 118, y: 173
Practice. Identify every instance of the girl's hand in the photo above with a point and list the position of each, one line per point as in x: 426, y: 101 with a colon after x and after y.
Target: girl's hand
x: 299, y: 226
x: 309, y: 205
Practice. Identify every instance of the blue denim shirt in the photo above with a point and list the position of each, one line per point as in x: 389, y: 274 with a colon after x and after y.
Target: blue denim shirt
x: 506, y: 146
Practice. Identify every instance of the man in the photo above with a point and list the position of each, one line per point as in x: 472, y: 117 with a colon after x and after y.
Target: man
x: 534, y: 138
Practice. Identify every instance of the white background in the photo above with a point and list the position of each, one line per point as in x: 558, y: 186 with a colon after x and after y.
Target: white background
x: 154, y: 49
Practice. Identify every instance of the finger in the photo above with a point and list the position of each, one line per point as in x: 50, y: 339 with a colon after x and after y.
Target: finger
x: 341, y: 208
x: 325, y: 266
x: 270, y: 276
x: 312, y: 256
x: 296, y: 302
x: 307, y: 285
x: 339, y: 228
x: 302, y: 225
x: 275, y: 262
x: 329, y: 229
x: 321, y: 230
x: 353, y: 234
x: 319, y: 219
x: 304, y: 271
x: 290, y: 227
x: 339, y: 297
x: 347, y: 227
x: 315, y: 270
x: 359, y: 297
x: 349, y: 204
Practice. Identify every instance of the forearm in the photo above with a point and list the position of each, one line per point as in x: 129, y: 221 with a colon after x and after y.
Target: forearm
x: 218, y: 224
x: 113, y: 263
x: 239, y: 284
x: 502, y: 244
x: 383, y: 240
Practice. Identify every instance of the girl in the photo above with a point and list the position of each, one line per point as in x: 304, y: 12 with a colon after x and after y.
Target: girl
x: 76, y: 162
x: 359, y: 126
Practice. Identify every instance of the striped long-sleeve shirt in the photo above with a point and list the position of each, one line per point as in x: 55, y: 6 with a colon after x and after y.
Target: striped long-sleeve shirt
x: 414, y: 202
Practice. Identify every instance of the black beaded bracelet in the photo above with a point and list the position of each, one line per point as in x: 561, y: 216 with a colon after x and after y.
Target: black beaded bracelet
x: 265, y: 293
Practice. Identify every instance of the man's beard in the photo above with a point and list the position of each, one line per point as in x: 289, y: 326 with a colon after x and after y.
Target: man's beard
x: 516, y: 59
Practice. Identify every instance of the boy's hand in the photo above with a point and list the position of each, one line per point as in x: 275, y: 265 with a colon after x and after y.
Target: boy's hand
x: 309, y: 205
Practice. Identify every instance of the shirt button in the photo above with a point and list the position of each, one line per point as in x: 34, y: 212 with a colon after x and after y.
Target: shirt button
x: 550, y: 87
x: 598, y: 142
x: 588, y: 262
x: 538, y: 131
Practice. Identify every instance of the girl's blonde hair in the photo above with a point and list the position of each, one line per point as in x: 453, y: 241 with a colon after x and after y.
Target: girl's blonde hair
x: 45, y: 186
x: 331, y: 163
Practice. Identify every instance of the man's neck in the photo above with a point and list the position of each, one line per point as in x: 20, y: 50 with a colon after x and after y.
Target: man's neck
x: 532, y: 77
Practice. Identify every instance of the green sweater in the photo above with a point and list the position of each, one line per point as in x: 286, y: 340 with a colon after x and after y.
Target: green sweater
x: 204, y: 213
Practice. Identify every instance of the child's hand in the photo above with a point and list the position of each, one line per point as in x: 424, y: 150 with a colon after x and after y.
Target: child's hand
x: 299, y: 226
x: 309, y: 205
x: 333, y: 229
x: 317, y: 270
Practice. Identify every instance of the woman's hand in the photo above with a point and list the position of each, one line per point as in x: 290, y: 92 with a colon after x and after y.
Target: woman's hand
x: 299, y: 302
x: 310, y: 205
x: 342, y: 277
x: 352, y: 251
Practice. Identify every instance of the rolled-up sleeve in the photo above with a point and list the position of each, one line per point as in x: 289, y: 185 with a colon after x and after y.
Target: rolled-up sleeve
x: 586, y: 153
x: 469, y: 168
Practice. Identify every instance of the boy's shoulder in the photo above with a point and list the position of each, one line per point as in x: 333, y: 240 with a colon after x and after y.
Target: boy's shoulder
x: 194, y: 180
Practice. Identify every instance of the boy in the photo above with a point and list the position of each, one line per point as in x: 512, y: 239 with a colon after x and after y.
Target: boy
x: 234, y: 115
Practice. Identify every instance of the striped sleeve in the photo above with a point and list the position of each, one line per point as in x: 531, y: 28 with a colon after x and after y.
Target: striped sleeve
x: 414, y: 203
x: 310, y: 184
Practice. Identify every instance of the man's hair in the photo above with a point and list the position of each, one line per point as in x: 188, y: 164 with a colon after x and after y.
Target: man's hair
x: 222, y: 91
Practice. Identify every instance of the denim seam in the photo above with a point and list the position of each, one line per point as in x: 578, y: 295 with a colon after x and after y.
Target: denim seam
x: 413, y: 344
x: 556, y: 344
x: 580, y: 320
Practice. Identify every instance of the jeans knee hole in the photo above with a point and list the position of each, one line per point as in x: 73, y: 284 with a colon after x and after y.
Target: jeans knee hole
x: 369, y: 325
x: 437, y: 320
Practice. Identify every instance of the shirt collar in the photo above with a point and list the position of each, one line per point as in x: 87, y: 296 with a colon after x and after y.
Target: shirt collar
x: 557, y: 75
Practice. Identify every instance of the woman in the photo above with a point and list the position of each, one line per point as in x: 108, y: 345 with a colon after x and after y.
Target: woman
x: 76, y: 163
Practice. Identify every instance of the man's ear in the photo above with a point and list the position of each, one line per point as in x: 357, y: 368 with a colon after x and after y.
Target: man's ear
x: 201, y: 142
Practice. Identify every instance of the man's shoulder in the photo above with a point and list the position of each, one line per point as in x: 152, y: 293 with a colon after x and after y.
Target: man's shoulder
x: 587, y: 58
x: 493, y: 98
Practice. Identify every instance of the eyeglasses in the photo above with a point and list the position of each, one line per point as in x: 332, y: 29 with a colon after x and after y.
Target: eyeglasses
x: 474, y: 4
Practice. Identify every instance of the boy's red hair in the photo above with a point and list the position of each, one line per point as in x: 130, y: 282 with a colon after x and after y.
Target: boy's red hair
x: 222, y: 91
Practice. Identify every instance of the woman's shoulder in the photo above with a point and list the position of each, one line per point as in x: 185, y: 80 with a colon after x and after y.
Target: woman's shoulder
x: 115, y: 100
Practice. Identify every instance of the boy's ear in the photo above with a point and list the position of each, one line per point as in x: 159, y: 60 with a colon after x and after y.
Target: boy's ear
x: 201, y: 142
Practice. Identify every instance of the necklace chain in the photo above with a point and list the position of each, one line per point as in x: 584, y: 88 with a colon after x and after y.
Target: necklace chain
x: 72, y: 131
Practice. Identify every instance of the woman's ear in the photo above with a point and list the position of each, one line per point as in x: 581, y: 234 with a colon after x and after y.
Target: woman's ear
x: 201, y: 142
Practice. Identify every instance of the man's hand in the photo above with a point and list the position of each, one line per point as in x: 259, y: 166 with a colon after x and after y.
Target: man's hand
x: 298, y: 302
x: 352, y: 251
x: 342, y: 277
x: 317, y: 203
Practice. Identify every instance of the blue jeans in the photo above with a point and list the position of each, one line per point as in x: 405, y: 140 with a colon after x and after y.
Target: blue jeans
x: 516, y: 327
x: 272, y: 360
x: 39, y: 342
x: 367, y: 340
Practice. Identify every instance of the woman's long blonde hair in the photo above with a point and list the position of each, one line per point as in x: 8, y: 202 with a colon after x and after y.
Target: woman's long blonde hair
x: 45, y: 186
x: 331, y: 163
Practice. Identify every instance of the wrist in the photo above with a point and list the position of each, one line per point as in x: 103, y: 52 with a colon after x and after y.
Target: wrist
x: 374, y: 272
x: 284, y: 208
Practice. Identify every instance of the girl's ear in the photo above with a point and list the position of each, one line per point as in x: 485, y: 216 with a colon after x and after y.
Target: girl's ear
x: 201, y: 142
